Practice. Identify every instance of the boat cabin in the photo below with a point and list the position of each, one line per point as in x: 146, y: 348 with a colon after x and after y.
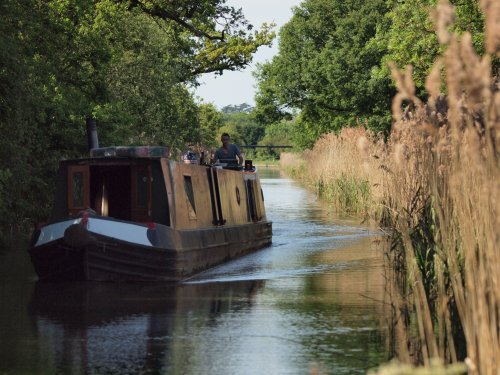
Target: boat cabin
x: 140, y: 184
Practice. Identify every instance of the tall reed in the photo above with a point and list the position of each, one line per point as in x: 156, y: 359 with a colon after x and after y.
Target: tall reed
x: 445, y: 199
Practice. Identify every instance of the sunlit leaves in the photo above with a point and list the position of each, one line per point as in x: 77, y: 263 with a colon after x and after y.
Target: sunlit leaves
x: 220, y: 38
x: 412, y: 37
x: 235, y: 52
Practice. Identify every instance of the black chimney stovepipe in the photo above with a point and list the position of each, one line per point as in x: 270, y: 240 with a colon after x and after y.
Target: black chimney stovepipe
x: 92, y: 140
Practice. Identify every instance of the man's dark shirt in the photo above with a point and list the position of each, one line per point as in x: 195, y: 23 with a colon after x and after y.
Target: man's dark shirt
x: 228, y: 155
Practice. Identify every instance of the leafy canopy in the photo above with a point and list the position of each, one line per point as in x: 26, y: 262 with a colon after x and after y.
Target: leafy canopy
x: 324, y: 68
x: 332, y: 65
x: 220, y: 37
x: 130, y: 64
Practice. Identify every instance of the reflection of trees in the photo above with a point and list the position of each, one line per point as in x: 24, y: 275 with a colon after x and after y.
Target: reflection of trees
x: 15, y: 290
x: 270, y: 172
x: 129, y: 328
x: 342, y: 309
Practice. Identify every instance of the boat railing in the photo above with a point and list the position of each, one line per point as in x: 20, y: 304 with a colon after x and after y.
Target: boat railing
x: 233, y: 165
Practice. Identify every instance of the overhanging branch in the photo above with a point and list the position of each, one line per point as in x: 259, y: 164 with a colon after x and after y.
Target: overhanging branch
x: 183, y: 21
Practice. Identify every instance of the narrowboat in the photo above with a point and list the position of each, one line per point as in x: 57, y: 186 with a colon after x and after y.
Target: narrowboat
x: 134, y: 214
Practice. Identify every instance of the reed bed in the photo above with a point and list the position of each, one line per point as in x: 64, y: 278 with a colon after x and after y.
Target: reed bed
x: 438, y: 179
x: 342, y: 170
x: 445, y: 199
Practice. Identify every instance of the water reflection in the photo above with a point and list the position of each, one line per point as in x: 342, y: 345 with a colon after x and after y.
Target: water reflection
x: 313, y: 297
x: 130, y: 329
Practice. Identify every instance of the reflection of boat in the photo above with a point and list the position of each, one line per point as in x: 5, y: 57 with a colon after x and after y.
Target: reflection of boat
x: 130, y: 328
x: 130, y: 213
x: 83, y: 304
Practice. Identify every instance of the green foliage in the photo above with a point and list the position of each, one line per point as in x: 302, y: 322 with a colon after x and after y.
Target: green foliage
x: 275, y: 134
x: 250, y: 132
x: 269, y: 107
x: 411, y: 37
x: 324, y: 69
x: 210, y: 122
x: 218, y: 37
x: 332, y: 65
x: 351, y: 194
x: 127, y: 63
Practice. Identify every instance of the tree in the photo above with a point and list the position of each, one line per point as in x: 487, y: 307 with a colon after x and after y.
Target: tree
x: 211, y: 121
x: 270, y: 109
x: 128, y: 63
x: 30, y: 100
x: 412, y: 40
x: 220, y: 38
x: 243, y: 126
x: 243, y: 107
x: 325, y: 62
x: 279, y: 133
x: 333, y: 59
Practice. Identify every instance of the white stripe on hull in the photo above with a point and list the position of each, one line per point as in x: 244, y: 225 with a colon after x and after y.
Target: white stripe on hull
x: 116, y: 229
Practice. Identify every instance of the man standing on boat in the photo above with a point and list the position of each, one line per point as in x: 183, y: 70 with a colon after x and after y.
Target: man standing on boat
x: 228, y: 152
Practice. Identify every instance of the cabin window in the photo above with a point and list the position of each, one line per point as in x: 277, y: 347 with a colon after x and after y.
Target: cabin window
x: 78, y: 189
x: 188, y: 187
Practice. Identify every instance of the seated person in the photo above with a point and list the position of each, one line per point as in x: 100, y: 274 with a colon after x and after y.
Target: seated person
x: 228, y: 152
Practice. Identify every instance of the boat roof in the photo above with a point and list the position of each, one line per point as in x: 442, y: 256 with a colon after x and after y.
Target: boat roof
x: 131, y: 152
x: 115, y: 154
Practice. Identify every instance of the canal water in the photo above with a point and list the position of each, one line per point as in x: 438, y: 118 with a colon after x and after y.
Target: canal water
x: 310, y: 303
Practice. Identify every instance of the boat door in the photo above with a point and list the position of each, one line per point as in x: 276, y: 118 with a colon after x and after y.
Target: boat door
x: 141, y: 178
x: 78, y: 188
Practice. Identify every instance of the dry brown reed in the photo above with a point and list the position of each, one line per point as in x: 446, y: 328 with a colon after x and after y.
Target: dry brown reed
x: 436, y: 367
x: 491, y: 10
x: 342, y: 169
x: 445, y: 199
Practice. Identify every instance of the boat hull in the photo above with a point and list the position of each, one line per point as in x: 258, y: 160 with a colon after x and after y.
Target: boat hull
x: 169, y: 256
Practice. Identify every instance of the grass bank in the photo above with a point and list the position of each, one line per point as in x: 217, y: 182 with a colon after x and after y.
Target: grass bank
x: 436, y: 184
